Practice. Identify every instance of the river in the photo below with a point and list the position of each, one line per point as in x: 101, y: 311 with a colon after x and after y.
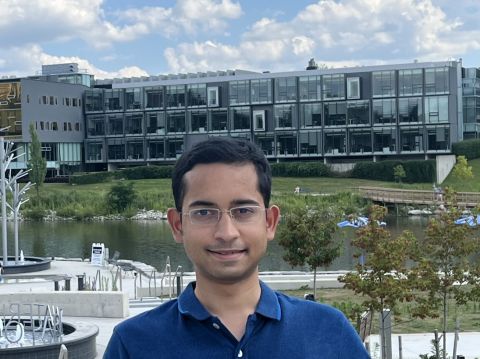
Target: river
x: 151, y: 241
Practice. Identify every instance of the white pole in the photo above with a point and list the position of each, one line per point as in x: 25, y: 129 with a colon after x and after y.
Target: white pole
x: 4, y: 200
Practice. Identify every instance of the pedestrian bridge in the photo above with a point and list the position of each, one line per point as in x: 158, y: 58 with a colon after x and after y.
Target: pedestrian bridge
x: 405, y: 196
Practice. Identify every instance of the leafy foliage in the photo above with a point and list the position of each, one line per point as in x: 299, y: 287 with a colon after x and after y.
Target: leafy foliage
x: 468, y: 148
x: 307, y: 235
x: 37, y: 164
x: 415, y: 171
x: 462, y: 170
x: 120, y: 196
x: 399, y: 173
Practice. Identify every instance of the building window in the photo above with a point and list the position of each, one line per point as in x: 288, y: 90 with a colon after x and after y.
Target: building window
x: 176, y: 121
x: 285, y: 89
x: 334, y: 87
x: 335, y: 142
x: 174, y: 147
x: 156, y: 123
x: 410, y: 82
x: 213, y: 100
x: 358, y: 112
x: 135, y: 150
x: 116, y: 149
x: 286, y: 144
x: 335, y: 113
x: 52, y: 100
x: 133, y: 98
x: 436, y: 109
x: 154, y: 97
x: 310, y: 88
x: 93, y: 100
x: 267, y: 143
x: 384, y: 111
x: 359, y: 141
x: 134, y: 124
x: 438, y: 138
x: 310, y: 143
x: 197, y: 95
x: 175, y: 96
x: 198, y: 121
x: 285, y: 116
x: 218, y: 120
x: 353, y: 88
x: 113, y: 100
x: 156, y: 150
x: 94, y: 151
x: 54, y: 126
x: 411, y: 139
x: 114, y: 125
x: 436, y: 81
x: 69, y: 126
x: 239, y: 93
x: 383, y: 83
x: 259, y: 120
x: 384, y: 140
x: 311, y: 115
x: 261, y: 91
x: 95, y: 125
x: 410, y: 110
x: 240, y: 118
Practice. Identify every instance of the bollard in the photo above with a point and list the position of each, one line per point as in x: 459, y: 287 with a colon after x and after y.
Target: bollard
x: 67, y: 283
x: 55, y: 284
x: 460, y: 357
x: 179, y: 286
x: 81, y: 281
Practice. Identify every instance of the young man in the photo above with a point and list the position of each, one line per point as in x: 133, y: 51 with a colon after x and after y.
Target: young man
x: 223, y: 218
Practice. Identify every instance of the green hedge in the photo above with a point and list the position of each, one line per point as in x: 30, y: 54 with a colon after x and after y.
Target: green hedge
x: 416, y: 171
x: 145, y: 172
x: 300, y: 169
x: 468, y: 148
x: 90, y: 178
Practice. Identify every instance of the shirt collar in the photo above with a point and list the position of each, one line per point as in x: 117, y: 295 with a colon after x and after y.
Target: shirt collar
x: 268, y: 305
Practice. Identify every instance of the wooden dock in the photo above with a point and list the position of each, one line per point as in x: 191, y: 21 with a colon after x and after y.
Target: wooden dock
x: 404, y: 196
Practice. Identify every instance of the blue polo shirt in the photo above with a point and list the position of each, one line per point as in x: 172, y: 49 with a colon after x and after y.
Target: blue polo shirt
x: 281, y: 327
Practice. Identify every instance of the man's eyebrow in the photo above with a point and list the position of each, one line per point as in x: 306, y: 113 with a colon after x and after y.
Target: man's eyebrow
x: 201, y: 203
x: 241, y: 202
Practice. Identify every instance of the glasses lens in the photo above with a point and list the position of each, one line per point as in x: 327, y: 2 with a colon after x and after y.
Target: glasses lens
x: 245, y: 214
x: 204, y: 215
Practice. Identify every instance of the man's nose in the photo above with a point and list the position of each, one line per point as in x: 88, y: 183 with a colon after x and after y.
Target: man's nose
x: 226, y: 228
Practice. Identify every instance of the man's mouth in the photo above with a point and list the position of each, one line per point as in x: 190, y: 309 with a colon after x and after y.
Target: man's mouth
x: 227, y: 253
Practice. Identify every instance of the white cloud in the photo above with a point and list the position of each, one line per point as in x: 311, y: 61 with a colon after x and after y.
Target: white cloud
x: 29, y: 59
x: 339, y: 32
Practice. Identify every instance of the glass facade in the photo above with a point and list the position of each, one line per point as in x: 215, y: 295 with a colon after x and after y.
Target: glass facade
x: 313, y: 114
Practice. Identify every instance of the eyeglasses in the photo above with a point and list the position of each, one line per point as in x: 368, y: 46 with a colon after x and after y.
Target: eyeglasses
x: 210, y: 216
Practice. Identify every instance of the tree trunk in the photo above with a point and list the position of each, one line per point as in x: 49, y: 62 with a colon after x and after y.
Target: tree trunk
x: 315, y: 283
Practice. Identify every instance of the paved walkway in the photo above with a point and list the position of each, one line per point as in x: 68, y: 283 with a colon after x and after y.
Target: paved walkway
x: 413, y: 344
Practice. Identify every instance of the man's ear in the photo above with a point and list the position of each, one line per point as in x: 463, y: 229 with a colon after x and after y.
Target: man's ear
x: 175, y: 221
x: 273, y: 217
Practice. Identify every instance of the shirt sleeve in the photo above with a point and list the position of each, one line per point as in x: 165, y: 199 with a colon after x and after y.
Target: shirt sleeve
x: 115, y: 348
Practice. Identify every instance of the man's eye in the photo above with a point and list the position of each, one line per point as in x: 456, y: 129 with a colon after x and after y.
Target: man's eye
x: 203, y: 212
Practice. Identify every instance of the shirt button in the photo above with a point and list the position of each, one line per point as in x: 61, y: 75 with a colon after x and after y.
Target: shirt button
x: 240, y: 354
x: 216, y: 326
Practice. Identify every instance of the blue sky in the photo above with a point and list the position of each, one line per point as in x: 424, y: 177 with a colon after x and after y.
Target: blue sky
x: 116, y: 38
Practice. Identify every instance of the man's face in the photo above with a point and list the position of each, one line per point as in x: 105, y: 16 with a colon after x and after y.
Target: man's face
x: 227, y: 251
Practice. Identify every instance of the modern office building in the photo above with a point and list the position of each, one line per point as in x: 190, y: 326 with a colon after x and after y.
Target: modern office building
x: 53, y: 104
x: 410, y: 110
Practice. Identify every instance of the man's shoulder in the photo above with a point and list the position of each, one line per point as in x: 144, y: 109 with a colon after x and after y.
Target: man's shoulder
x: 307, y: 307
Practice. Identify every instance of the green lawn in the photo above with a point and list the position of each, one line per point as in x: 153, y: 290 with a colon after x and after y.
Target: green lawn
x: 469, y: 185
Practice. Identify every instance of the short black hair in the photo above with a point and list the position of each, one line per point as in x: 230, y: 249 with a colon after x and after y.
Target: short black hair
x: 222, y: 150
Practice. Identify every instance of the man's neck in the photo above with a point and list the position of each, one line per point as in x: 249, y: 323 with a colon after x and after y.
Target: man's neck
x: 232, y: 303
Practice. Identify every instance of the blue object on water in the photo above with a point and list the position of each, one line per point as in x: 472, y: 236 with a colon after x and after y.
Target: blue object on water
x: 357, y: 222
x: 469, y: 220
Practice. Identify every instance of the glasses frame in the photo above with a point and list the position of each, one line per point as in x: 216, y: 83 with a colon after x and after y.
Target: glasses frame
x: 220, y: 213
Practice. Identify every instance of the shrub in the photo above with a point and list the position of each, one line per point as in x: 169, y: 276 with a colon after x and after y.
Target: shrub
x: 120, y: 196
x: 145, y: 172
x: 90, y: 178
x: 468, y: 148
x: 300, y: 169
x: 415, y: 171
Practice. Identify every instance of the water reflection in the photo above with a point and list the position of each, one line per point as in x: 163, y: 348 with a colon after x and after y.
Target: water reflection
x: 151, y: 242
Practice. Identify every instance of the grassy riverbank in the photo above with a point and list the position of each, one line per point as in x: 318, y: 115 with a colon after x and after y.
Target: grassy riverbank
x: 469, y: 315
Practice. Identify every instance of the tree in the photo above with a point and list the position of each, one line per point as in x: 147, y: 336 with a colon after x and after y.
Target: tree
x: 307, y: 235
x: 446, y: 269
x: 120, y: 196
x: 37, y: 164
x: 399, y: 173
x: 461, y: 169
x: 383, y: 278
